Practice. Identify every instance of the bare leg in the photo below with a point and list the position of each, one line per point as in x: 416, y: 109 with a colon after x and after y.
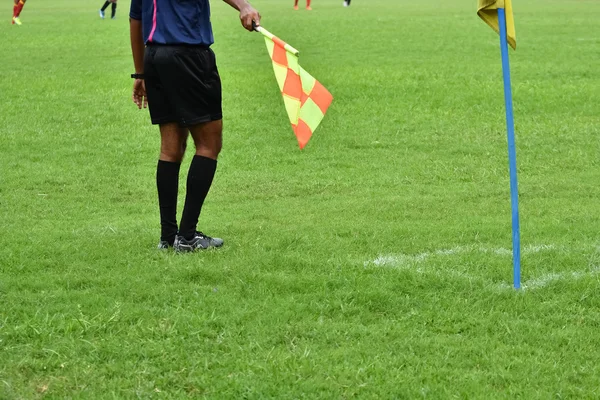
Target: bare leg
x: 173, y: 139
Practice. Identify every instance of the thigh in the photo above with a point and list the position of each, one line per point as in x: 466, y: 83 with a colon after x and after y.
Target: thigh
x: 194, y: 85
x: 208, y: 138
x: 173, y: 139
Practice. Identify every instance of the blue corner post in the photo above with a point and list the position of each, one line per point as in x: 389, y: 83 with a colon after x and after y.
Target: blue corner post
x: 512, y: 154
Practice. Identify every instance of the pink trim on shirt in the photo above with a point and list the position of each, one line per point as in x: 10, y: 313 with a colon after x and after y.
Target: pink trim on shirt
x: 153, y: 23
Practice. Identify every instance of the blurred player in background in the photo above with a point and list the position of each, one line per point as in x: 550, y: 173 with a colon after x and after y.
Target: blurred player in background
x: 347, y: 3
x: 307, y: 5
x: 113, y: 9
x: 17, y: 11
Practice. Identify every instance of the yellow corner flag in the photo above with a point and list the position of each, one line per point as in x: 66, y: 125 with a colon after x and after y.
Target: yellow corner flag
x: 306, y: 100
x: 487, y: 11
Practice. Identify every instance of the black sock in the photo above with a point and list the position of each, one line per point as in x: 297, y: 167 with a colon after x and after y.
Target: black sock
x: 113, y: 10
x: 167, y: 183
x: 199, y: 179
x: 105, y: 5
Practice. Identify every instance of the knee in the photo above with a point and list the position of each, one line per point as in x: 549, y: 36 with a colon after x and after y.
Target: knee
x: 217, y: 145
x: 217, y: 148
x: 210, y: 144
x: 172, y: 153
x: 210, y: 148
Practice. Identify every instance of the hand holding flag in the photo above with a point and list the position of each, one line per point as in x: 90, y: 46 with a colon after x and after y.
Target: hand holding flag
x: 249, y: 17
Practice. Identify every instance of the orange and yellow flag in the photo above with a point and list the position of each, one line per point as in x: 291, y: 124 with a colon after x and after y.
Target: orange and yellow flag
x: 488, y: 11
x: 306, y: 100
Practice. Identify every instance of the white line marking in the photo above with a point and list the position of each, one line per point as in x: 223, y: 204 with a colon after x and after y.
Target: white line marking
x: 418, y: 263
x: 546, y: 279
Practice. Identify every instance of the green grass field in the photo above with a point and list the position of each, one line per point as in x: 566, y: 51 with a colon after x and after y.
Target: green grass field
x: 376, y: 263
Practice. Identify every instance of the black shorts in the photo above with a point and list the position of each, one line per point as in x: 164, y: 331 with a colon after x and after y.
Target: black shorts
x: 182, y: 84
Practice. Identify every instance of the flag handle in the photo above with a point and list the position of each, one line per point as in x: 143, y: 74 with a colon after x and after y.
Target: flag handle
x: 512, y: 154
x: 269, y: 35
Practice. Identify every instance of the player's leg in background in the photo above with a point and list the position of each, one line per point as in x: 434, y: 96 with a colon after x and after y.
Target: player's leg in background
x: 173, y: 141
x: 106, y: 3
x: 295, y: 4
x: 113, y: 9
x: 308, y: 5
x: 208, y: 138
x: 16, y: 2
x: 18, y: 7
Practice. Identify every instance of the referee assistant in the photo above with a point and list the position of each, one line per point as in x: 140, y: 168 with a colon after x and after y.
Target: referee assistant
x: 176, y: 71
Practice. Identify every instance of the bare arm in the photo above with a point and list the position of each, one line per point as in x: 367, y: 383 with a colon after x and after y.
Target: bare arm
x: 137, y: 49
x: 247, y: 13
x: 137, y: 44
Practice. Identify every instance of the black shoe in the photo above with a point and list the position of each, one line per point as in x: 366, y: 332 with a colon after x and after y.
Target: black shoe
x: 199, y: 242
x: 163, y: 245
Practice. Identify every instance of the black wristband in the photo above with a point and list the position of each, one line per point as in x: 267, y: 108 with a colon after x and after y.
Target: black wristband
x: 137, y: 76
